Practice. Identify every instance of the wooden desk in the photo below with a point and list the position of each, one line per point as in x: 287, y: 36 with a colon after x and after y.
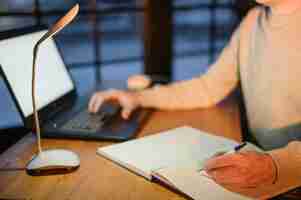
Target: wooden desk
x: 97, y: 177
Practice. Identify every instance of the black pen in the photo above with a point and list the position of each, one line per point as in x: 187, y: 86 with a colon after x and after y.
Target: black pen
x: 234, y: 150
x: 237, y: 148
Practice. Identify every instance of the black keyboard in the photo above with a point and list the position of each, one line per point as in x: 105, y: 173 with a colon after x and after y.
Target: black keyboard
x: 85, y: 121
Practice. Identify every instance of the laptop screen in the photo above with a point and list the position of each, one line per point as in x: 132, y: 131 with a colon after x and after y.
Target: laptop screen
x: 53, y: 79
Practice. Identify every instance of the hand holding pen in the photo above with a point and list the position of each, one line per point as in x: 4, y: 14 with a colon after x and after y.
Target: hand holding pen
x: 242, y: 169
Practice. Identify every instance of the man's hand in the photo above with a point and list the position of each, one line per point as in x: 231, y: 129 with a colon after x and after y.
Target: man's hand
x: 127, y: 100
x: 242, y: 170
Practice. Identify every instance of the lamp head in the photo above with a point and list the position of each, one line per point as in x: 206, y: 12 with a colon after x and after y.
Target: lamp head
x: 60, y: 24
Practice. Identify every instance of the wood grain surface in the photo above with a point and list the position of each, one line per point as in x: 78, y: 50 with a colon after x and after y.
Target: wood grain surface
x: 98, y: 178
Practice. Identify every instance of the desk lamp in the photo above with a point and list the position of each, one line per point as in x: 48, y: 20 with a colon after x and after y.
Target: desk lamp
x: 52, y: 161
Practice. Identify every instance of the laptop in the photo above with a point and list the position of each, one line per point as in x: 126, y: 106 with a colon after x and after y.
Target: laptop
x: 63, y: 112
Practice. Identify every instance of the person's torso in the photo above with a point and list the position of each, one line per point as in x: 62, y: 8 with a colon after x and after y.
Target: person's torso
x: 270, y: 67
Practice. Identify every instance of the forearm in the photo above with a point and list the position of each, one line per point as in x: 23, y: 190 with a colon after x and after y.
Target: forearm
x: 181, y: 95
x: 201, y: 92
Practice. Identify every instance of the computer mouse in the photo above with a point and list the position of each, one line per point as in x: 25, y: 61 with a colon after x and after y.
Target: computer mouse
x: 50, y: 162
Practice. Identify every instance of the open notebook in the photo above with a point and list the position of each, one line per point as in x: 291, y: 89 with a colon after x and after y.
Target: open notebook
x: 176, y: 158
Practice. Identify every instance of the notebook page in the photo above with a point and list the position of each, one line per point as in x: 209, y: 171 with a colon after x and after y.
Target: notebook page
x: 169, y: 148
x: 195, y: 184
